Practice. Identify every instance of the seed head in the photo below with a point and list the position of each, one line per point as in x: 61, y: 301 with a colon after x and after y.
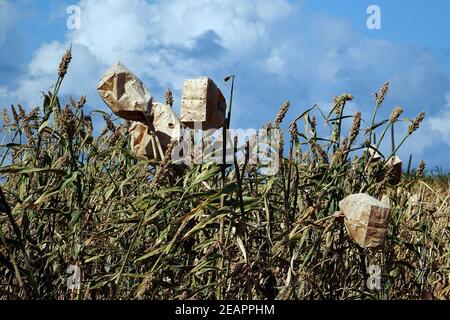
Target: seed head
x: 279, y: 135
x: 395, y: 114
x: 109, y: 124
x: 28, y: 133
x: 22, y: 113
x: 72, y: 103
x: 81, y: 102
x: 416, y: 123
x: 293, y: 130
x: 64, y: 64
x: 339, y: 103
x: 5, y: 117
x: 323, y: 155
x: 382, y: 93
x: 88, y: 124
x: 281, y: 113
x: 420, y: 169
x: 68, y: 121
x: 267, y: 128
x: 345, y: 144
x: 354, y: 131
x: 15, y: 115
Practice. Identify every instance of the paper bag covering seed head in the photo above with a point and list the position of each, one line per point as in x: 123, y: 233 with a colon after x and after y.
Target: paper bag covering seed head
x: 154, y: 124
x: 151, y: 142
x: 125, y: 94
x: 366, y: 219
x: 395, y: 165
x: 203, y: 103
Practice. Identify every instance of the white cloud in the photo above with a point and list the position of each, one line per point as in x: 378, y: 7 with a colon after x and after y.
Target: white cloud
x: 276, y: 63
x: 149, y: 33
x: 153, y: 40
x: 42, y: 73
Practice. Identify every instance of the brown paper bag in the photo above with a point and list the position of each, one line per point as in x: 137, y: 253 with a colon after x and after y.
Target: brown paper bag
x: 125, y: 94
x: 155, y: 124
x: 202, y: 103
x: 396, y: 164
x: 152, y: 144
x: 366, y: 219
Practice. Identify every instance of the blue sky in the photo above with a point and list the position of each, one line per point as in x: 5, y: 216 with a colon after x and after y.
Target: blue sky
x: 304, y: 51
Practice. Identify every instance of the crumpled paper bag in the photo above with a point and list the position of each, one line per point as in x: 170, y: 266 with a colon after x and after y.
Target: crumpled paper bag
x: 125, y: 94
x: 165, y: 127
x: 366, y: 219
x: 154, y: 124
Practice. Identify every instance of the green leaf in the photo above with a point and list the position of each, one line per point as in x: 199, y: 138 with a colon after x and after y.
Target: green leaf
x: 26, y: 170
x: 211, y: 219
x: 43, y: 125
x: 205, y: 175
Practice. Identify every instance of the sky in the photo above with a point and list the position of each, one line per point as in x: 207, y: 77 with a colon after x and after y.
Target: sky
x: 303, y: 51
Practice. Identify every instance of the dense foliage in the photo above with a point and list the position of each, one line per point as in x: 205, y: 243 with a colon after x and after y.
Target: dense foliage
x: 140, y: 231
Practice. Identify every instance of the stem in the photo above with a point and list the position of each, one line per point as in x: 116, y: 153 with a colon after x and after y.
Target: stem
x: 53, y: 100
x: 224, y: 167
x: 392, y: 139
x: 377, y: 106
x: 398, y: 147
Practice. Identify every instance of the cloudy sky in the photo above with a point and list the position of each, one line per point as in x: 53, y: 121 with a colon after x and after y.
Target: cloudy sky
x: 303, y: 51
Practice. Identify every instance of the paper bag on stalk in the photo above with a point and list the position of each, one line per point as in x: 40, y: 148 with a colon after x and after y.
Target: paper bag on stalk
x: 394, y: 167
x: 154, y: 124
x: 152, y: 144
x: 202, y: 103
x: 125, y: 94
x: 366, y: 219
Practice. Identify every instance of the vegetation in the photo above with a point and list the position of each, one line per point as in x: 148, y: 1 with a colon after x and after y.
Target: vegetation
x: 140, y: 231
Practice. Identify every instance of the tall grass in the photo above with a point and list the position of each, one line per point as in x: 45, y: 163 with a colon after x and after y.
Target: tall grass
x: 144, y: 232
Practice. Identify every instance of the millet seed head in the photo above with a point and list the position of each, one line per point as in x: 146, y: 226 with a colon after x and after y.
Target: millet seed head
x: 339, y: 103
x: 73, y: 104
x: 22, y: 113
x: 281, y: 113
x: 15, y: 115
x: 267, y: 128
x: 354, y: 131
x: 416, y: 123
x: 88, y: 124
x: 293, y: 130
x: 64, y: 64
x: 109, y: 124
x: 68, y: 125
x: 381, y: 95
x: 396, y: 113
x: 81, y: 102
x: 421, y: 169
x: 323, y: 155
x: 345, y: 144
x: 5, y: 117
